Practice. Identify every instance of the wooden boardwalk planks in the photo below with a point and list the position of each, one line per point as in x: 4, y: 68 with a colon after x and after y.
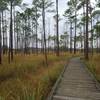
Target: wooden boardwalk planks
x: 76, y: 83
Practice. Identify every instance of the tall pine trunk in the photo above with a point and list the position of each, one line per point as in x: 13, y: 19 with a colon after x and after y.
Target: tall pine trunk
x: 75, y: 34
x: 70, y: 37
x: 84, y: 28
x: 81, y: 40
x: 36, y: 34
x: 11, y: 35
x: 3, y: 33
x: 91, y: 29
x: 45, y: 49
x: 87, y: 23
x: 0, y: 42
x: 91, y: 37
x: 6, y: 37
x: 57, y: 20
x: 14, y: 29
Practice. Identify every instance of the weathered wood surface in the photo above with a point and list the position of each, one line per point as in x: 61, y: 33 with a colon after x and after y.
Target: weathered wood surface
x: 77, y: 83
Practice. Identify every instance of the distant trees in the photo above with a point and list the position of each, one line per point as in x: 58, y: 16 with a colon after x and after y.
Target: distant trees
x: 44, y: 5
x: 19, y: 31
x: 11, y: 3
x: 68, y: 15
x: 3, y: 7
x: 84, y: 22
x: 23, y: 27
x: 37, y: 15
x: 64, y: 39
x: 73, y: 5
x: 80, y: 38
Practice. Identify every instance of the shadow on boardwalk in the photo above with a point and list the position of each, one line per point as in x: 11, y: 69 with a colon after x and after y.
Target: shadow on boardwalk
x: 76, y: 83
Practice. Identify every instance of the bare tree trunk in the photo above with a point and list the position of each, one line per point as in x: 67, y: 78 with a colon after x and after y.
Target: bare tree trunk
x: 0, y: 42
x: 36, y: 33
x: 57, y: 52
x: 49, y: 37
x: 91, y: 29
x: 97, y: 44
x: 81, y: 39
x: 6, y: 48
x: 3, y: 33
x: 70, y: 37
x: 45, y: 50
x: 84, y: 28
x: 87, y: 19
x: 16, y: 36
x: 75, y: 35
x: 11, y: 36
x: 91, y: 37
x: 14, y: 29
x: 32, y: 38
x: 25, y: 32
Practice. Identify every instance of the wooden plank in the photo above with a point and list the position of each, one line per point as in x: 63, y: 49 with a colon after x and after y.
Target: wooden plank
x: 50, y: 96
x: 76, y: 83
x: 67, y: 98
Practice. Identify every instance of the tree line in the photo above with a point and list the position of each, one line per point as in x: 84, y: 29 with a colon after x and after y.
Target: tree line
x: 83, y: 17
x: 19, y: 30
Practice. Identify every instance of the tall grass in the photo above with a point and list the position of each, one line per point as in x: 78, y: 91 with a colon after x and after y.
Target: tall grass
x: 27, y: 78
x: 94, y: 65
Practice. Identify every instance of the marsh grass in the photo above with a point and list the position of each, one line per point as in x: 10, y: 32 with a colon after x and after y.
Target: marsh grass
x: 94, y: 65
x: 27, y: 78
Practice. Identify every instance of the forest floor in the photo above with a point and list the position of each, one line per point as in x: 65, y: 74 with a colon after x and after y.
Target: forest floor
x: 27, y: 77
x: 77, y: 83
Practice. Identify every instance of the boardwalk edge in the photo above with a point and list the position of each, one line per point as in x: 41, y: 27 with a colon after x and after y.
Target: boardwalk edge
x: 97, y: 84
x: 50, y: 96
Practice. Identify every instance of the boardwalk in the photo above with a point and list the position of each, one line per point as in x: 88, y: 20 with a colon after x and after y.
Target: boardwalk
x: 77, y: 83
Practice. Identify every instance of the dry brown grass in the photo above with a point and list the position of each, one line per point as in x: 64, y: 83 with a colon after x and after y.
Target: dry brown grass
x: 94, y: 65
x: 27, y: 77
